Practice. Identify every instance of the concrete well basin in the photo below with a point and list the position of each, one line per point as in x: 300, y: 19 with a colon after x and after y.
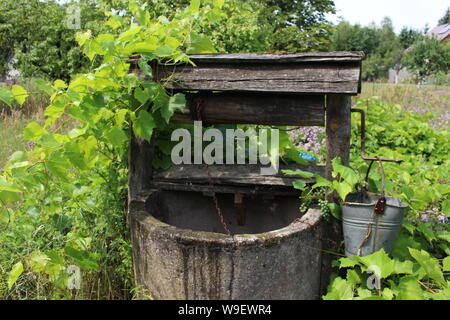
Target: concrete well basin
x: 180, y: 251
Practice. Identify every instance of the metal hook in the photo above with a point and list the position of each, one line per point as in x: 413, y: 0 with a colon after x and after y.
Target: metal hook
x: 363, y: 141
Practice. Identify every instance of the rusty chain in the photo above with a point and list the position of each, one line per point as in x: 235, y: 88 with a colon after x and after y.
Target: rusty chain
x: 210, y: 180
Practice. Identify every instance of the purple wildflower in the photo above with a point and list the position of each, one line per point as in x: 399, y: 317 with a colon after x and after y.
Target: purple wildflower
x: 442, y: 218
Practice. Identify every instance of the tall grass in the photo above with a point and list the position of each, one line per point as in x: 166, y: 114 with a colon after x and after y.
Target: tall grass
x: 431, y: 102
x: 15, y: 118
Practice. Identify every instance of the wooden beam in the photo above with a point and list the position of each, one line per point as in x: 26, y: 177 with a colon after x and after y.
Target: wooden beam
x: 338, y: 130
x: 231, y: 175
x: 340, y: 56
x: 308, y: 77
x: 254, y: 108
x: 249, y: 190
x: 140, y: 168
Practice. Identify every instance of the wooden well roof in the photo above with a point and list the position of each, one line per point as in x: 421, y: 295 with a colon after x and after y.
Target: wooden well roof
x: 300, y: 73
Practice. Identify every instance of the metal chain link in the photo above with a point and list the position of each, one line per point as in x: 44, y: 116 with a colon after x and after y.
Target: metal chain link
x: 211, y: 182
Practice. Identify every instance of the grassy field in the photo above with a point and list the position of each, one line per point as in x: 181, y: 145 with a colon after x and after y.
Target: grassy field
x: 432, y: 102
x: 11, y: 128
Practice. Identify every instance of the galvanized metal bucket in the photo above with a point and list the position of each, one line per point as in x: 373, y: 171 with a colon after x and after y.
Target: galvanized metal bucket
x: 371, y: 222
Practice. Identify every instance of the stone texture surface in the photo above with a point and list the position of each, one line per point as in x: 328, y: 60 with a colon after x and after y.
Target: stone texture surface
x: 175, y: 263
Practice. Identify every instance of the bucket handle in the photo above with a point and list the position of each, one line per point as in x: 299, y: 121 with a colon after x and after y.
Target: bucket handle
x: 381, y: 203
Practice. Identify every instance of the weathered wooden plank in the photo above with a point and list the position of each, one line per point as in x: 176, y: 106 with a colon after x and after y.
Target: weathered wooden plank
x: 254, y: 108
x: 140, y: 169
x: 277, y: 58
x: 217, y: 188
x: 231, y: 175
x: 311, y: 77
x: 338, y: 129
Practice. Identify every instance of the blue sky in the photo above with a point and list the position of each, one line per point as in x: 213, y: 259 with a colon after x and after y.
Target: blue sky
x: 412, y: 13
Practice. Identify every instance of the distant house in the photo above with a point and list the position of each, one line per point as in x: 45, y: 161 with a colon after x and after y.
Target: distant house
x: 442, y: 32
x: 11, y: 76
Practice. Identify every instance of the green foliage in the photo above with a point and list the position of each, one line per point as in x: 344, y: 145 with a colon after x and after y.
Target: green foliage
x: 346, y: 181
x: 427, y: 57
x: 418, y: 268
x: 445, y: 18
x: 347, y: 37
x: 36, y: 34
x: 409, y: 36
x: 254, y: 26
x: 62, y: 203
x: 383, y: 48
x: 421, y: 278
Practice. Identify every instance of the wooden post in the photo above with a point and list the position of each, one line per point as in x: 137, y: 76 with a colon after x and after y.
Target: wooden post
x: 338, y: 118
x: 338, y: 130
x: 140, y: 169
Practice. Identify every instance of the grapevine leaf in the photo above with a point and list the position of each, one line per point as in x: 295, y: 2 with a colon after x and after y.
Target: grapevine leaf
x: 379, y: 262
x: 194, y: 6
x: 430, y: 264
x: 82, y: 37
x: 44, y: 86
x: 342, y: 188
x: 14, y: 274
x: 446, y: 207
x: 346, y: 173
x: 347, y: 263
x: 446, y: 264
x: 292, y: 154
x: 409, y: 289
x: 299, y: 185
x: 145, y: 67
x: 38, y: 261
x: 142, y: 95
x: 299, y: 173
x: 6, y: 96
x: 176, y: 102
x: 200, y: 44
x: 33, y: 132
x: 82, y: 258
x: 336, y: 210
x: 116, y: 137
x: 353, y: 277
x: 340, y: 289
x: 403, y: 267
x: 321, y: 182
x: 20, y: 94
x: 143, y: 125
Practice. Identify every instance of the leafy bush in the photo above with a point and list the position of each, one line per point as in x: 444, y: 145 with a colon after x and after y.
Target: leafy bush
x: 420, y: 266
x: 63, y: 203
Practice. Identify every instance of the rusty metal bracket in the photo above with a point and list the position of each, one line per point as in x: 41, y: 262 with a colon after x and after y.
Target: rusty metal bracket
x: 363, y: 140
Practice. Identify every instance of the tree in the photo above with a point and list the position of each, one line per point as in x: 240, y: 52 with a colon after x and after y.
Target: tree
x: 427, y: 57
x: 347, y: 37
x: 446, y: 18
x: 257, y: 25
x: 35, y: 32
x: 381, y: 45
x: 409, y: 36
x: 297, y: 25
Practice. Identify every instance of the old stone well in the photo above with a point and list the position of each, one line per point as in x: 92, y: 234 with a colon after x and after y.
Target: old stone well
x: 225, y: 231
